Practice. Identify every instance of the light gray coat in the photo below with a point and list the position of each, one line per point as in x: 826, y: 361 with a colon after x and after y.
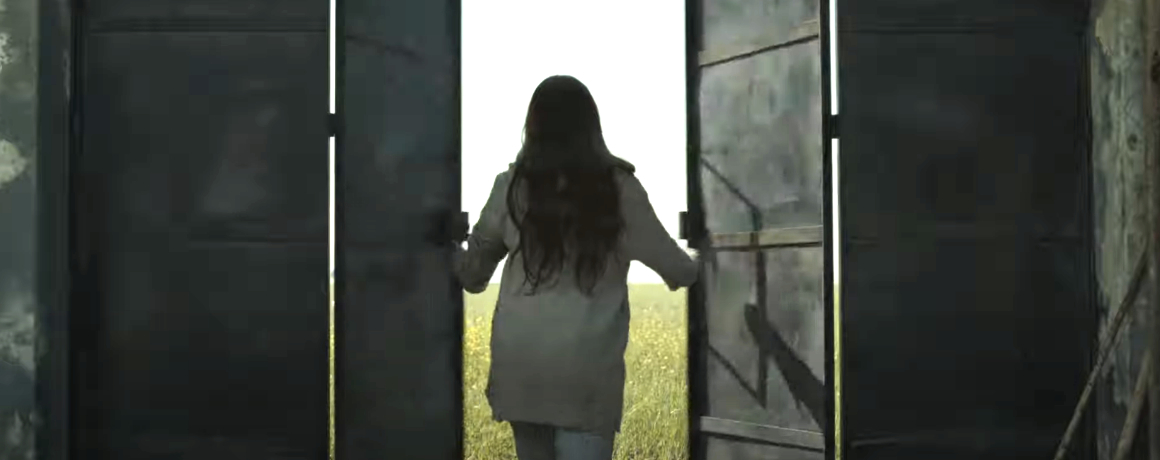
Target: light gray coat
x: 557, y: 357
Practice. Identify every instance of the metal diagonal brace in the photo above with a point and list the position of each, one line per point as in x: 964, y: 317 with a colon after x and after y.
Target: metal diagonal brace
x: 1111, y: 334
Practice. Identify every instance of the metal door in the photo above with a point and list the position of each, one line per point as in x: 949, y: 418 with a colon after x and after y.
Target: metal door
x: 199, y: 198
x: 758, y: 341
x: 967, y: 304
x: 398, y: 310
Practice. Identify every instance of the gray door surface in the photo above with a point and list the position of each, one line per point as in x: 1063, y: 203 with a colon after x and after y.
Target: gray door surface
x: 757, y: 332
x: 199, y: 198
x: 967, y: 308
x: 398, y: 310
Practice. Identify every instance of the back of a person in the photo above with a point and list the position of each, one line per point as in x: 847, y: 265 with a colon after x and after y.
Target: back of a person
x: 610, y: 287
x: 569, y: 217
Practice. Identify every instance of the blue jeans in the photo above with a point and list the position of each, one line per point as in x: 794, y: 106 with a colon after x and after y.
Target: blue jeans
x: 544, y: 442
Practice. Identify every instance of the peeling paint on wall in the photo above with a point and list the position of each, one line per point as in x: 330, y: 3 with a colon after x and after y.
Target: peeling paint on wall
x: 11, y: 163
x: 18, y: 304
x: 1121, y: 186
x: 6, y: 57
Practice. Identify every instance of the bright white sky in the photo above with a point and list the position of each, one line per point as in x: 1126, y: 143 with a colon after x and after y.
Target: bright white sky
x: 631, y: 55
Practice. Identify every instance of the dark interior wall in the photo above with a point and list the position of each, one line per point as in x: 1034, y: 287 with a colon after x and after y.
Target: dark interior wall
x: 1120, y: 188
x: 198, y: 222
x: 968, y: 309
x: 18, y: 85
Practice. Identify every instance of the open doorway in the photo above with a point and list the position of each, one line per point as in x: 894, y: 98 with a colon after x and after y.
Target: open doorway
x: 633, y: 61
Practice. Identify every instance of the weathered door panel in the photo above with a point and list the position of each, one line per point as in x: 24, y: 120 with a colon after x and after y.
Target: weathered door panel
x: 199, y: 219
x: 398, y: 311
x: 755, y: 371
x: 761, y: 150
x: 967, y: 302
x: 757, y: 335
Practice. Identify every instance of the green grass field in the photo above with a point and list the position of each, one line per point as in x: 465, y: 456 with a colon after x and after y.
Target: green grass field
x: 655, y: 422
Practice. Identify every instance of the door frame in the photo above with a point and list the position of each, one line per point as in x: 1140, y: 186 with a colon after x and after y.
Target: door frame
x: 831, y: 432
x: 56, y: 131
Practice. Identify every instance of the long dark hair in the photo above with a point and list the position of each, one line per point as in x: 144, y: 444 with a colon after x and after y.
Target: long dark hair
x: 570, y: 211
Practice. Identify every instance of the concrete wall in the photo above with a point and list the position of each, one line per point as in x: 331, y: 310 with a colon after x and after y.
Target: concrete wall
x: 18, y: 97
x: 1121, y: 187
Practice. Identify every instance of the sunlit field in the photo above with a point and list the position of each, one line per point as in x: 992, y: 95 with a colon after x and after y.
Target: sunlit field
x: 655, y: 419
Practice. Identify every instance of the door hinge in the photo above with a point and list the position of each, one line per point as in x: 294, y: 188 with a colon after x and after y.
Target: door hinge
x: 830, y: 126
x: 683, y: 225
x: 332, y: 124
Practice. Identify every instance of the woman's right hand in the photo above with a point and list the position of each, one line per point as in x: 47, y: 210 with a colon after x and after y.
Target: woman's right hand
x: 694, y: 254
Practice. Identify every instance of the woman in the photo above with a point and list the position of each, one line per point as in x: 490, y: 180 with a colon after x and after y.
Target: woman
x: 572, y: 217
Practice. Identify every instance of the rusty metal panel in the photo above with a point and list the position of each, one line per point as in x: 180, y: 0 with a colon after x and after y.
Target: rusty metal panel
x: 199, y: 314
x: 758, y: 341
x: 398, y: 310
x: 968, y: 315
